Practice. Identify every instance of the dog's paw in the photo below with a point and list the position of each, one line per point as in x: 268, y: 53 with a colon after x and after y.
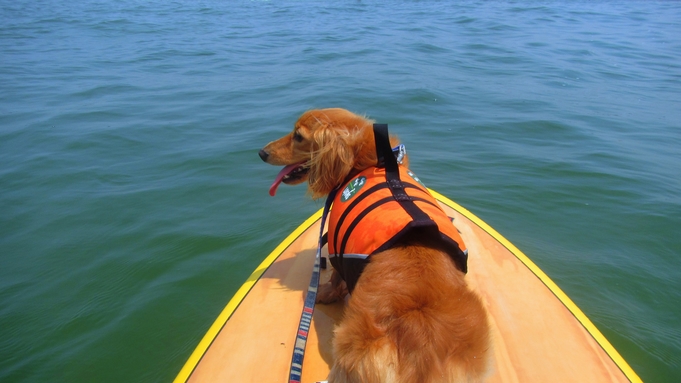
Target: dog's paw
x: 332, y: 291
x: 327, y: 293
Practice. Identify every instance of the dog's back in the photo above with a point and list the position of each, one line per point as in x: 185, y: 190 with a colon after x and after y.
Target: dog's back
x: 412, y: 319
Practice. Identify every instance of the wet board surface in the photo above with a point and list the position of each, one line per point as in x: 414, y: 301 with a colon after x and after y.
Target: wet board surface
x: 538, y: 333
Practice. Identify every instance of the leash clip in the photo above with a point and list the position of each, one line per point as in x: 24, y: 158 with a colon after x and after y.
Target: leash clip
x: 400, y: 151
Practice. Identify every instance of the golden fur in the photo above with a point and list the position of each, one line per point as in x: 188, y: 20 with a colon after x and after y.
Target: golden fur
x: 411, y: 317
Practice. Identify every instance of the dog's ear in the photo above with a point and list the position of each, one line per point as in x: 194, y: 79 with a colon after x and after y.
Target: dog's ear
x: 333, y: 158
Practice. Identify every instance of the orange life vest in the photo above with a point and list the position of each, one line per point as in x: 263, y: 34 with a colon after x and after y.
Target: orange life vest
x: 368, y: 217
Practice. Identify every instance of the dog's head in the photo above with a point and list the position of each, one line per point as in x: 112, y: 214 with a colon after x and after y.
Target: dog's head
x: 324, y: 148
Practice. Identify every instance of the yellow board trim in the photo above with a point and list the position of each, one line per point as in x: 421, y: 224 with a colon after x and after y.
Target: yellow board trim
x: 569, y: 304
x: 226, y: 313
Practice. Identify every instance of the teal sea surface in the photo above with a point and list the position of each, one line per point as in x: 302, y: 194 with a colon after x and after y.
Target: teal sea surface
x: 133, y: 203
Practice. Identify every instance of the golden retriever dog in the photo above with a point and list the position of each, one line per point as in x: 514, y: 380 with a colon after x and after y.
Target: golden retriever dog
x: 411, y: 318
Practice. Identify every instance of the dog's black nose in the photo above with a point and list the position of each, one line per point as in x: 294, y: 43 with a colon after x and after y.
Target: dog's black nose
x: 263, y: 154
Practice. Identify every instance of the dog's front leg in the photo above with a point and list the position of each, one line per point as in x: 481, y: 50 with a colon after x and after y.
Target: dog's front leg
x: 335, y: 289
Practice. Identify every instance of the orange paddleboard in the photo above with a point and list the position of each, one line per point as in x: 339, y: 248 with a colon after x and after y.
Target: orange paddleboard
x: 538, y: 333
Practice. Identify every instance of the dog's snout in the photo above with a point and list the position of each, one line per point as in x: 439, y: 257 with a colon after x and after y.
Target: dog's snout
x: 263, y: 154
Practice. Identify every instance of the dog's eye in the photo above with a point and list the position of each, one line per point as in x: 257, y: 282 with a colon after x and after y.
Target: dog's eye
x: 297, y: 137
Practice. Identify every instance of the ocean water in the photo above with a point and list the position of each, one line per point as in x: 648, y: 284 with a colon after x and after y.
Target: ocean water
x: 133, y: 203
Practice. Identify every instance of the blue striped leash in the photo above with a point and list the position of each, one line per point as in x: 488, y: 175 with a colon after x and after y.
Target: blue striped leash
x: 308, y: 308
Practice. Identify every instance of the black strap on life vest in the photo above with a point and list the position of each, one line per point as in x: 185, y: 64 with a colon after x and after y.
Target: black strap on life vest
x: 392, y: 175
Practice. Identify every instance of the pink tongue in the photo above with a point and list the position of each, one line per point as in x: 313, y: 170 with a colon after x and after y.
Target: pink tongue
x: 286, y: 170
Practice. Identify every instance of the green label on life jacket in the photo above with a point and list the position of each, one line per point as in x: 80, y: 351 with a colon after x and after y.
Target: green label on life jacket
x: 352, y: 188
